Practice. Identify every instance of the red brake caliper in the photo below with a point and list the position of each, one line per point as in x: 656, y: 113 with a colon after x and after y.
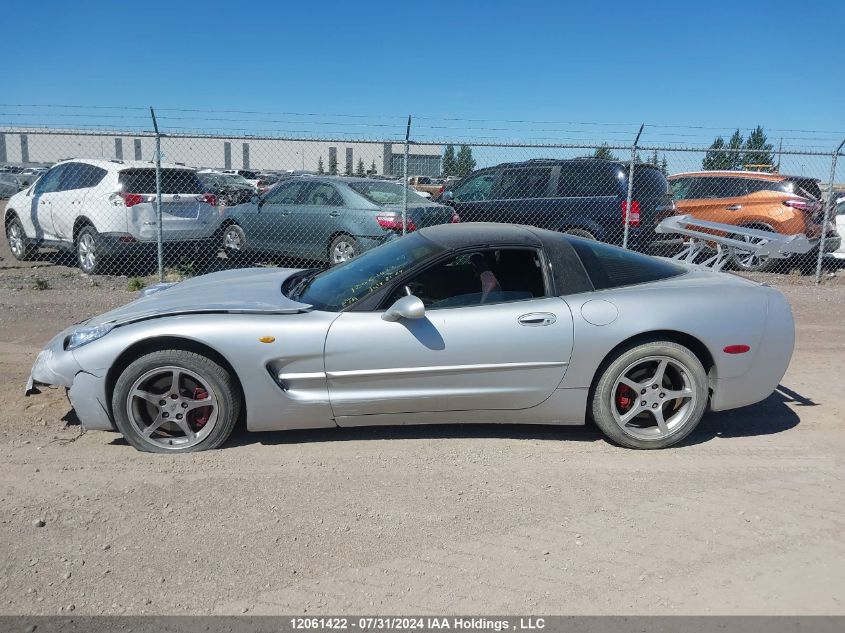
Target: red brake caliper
x: 199, y: 417
x: 624, y: 397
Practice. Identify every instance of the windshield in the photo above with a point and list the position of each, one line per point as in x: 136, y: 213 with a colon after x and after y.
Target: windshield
x: 338, y: 288
x: 382, y: 192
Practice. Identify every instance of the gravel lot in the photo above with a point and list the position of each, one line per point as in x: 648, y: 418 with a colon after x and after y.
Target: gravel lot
x: 746, y: 517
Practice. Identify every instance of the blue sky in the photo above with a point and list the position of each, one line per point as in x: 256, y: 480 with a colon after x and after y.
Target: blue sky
x: 707, y: 64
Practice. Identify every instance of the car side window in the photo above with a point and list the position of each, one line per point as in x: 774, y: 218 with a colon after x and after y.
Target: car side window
x: 681, y: 188
x: 50, y: 182
x: 476, y: 278
x: 286, y: 193
x: 323, y: 194
x: 717, y: 187
x: 588, y: 181
x: 476, y: 188
x: 524, y: 183
x: 81, y: 176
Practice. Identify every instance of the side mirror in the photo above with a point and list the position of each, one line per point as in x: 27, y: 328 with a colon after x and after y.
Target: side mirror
x: 408, y: 307
x: 447, y: 196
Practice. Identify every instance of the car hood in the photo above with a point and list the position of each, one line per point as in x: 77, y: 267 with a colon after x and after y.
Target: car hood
x: 250, y: 290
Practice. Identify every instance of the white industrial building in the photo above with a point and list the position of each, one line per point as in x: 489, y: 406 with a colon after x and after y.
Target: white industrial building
x: 43, y: 146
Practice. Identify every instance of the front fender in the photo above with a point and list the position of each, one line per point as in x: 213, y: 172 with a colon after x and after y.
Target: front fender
x: 296, y: 349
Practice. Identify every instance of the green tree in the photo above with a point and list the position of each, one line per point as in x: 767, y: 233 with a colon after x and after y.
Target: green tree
x: 604, y: 153
x: 333, y: 165
x: 347, y: 171
x: 734, y: 155
x: 464, y: 163
x: 448, y: 168
x: 664, y: 166
x: 373, y: 169
x: 654, y: 160
x: 761, y: 149
x: 360, y: 170
x: 320, y: 168
x: 716, y: 157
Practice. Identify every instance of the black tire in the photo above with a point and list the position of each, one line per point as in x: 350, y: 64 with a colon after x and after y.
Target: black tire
x: 746, y: 262
x: 611, y: 397
x: 19, y: 245
x: 130, y: 412
x: 87, y: 247
x: 342, y: 248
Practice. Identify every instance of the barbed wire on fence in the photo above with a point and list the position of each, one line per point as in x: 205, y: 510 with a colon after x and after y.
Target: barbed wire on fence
x: 243, y: 189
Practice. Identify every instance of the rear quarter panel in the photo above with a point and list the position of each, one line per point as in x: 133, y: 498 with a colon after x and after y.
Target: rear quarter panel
x: 717, y: 312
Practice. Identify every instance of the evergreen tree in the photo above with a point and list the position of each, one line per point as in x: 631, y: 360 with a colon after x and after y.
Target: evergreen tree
x: 757, y: 141
x: 360, y: 170
x: 320, y: 168
x: 373, y: 169
x: 333, y: 165
x: 464, y: 163
x: 347, y: 171
x: 604, y: 153
x: 448, y: 168
x: 664, y: 166
x: 654, y: 159
x: 716, y: 157
x: 734, y: 156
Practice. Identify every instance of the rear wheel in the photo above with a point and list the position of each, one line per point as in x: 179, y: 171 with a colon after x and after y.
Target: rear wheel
x: 650, y: 396
x: 747, y: 261
x: 88, y: 254
x: 175, y: 401
x: 343, y: 248
x: 18, y: 243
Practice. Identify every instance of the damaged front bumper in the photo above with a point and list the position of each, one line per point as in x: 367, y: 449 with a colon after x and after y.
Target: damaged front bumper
x: 55, y: 366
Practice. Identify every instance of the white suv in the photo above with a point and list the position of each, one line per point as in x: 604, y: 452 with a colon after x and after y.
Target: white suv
x: 102, y: 208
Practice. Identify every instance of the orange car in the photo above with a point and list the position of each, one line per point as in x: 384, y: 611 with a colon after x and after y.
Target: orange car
x: 772, y: 202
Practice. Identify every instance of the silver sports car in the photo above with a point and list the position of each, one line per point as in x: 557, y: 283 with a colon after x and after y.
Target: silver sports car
x: 451, y: 324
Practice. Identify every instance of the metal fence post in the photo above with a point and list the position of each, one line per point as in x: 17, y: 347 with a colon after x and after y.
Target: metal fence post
x: 159, y: 232
x: 627, y: 214
x: 828, y: 208
x: 405, y: 179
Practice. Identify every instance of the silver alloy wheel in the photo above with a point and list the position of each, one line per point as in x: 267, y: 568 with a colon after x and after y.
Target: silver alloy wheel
x: 86, y: 249
x: 233, y: 238
x: 15, y: 237
x: 343, y: 250
x: 171, y: 407
x: 654, y: 397
x: 748, y: 259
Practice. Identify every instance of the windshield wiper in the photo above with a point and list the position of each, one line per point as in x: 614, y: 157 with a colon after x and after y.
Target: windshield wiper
x: 302, y: 283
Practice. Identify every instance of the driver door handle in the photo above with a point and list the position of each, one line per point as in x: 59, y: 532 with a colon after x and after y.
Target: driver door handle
x: 534, y: 319
x: 733, y: 207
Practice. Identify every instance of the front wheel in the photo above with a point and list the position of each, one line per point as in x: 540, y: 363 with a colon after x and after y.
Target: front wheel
x: 18, y: 244
x: 175, y: 401
x: 650, y: 396
x: 234, y: 242
x: 342, y: 248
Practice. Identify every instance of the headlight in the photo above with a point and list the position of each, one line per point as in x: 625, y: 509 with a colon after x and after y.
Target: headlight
x: 85, y: 335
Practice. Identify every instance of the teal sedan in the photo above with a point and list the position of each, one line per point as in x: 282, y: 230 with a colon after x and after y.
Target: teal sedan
x: 326, y: 218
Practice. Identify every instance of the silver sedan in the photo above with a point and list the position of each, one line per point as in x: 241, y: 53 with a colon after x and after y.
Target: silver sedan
x: 455, y: 323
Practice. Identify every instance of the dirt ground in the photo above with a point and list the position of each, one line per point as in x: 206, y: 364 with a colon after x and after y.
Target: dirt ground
x: 747, y: 517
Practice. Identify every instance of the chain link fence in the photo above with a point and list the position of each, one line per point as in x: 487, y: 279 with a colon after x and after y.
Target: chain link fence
x: 161, y: 203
